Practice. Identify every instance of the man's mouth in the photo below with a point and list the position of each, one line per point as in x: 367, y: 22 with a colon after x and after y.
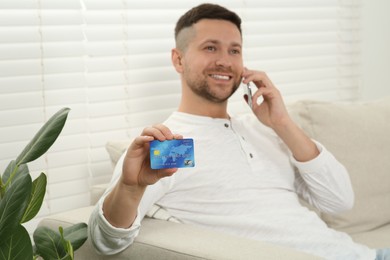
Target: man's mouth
x: 220, y: 77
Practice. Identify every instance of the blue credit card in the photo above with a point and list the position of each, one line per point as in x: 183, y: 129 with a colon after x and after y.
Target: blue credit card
x: 176, y: 153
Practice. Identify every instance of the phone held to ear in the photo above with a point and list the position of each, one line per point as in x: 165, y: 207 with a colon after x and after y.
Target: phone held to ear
x: 248, y: 94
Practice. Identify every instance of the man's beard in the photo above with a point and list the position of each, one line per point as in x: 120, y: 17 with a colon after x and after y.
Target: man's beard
x: 201, y: 88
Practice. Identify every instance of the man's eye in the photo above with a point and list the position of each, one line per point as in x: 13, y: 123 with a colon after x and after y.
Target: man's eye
x: 235, y: 51
x: 210, y: 48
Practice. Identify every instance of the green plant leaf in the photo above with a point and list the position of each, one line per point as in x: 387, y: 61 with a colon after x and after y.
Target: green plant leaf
x: 48, y: 243
x: 36, y: 198
x: 76, y: 234
x: 52, y: 245
x: 8, y: 171
x: 18, y: 246
x: 14, y: 204
x: 45, y: 137
x: 11, y: 172
x: 69, y: 249
x: 67, y: 245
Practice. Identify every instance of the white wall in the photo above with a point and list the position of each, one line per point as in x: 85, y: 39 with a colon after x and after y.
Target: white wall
x: 375, y: 52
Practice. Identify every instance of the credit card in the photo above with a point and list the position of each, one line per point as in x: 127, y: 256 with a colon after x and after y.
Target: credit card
x: 176, y: 153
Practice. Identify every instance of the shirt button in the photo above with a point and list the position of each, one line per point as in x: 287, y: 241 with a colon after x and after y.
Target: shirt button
x: 226, y: 125
x: 250, y: 155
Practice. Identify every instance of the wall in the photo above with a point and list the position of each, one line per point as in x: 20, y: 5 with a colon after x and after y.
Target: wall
x: 375, y: 49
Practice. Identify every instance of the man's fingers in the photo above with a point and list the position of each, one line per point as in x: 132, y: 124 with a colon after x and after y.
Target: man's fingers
x: 141, y: 140
x: 164, y: 130
x: 177, y: 136
x: 154, y: 132
x: 153, y: 176
x: 162, y: 173
x: 159, y: 132
x: 259, y: 78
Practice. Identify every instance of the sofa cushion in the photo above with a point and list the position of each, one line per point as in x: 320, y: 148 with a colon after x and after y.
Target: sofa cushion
x: 165, y: 240
x: 116, y: 148
x: 358, y: 135
x: 97, y: 191
x: 377, y: 238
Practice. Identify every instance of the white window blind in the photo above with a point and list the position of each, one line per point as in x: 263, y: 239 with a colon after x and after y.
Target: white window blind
x: 42, y: 70
x: 109, y: 61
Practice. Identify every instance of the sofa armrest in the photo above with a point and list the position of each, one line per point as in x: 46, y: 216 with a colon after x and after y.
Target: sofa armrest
x: 159, y: 239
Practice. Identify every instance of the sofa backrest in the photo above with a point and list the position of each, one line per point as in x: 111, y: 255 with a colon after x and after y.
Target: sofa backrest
x: 358, y: 134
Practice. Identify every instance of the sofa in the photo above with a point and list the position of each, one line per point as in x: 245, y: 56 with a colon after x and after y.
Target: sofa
x: 357, y: 133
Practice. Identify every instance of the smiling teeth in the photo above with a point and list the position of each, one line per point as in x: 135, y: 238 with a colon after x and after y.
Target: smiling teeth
x: 220, y: 77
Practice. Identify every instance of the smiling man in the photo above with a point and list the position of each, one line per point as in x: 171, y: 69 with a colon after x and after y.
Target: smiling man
x: 211, y: 64
x: 250, y: 171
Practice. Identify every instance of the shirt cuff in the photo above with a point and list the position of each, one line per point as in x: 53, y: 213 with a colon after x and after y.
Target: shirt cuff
x: 112, y: 231
x: 314, y: 164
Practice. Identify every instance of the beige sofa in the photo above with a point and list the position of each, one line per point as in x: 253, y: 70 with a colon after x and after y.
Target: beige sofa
x: 358, y: 134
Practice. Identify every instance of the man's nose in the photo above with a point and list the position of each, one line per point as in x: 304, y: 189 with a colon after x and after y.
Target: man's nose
x: 223, y: 60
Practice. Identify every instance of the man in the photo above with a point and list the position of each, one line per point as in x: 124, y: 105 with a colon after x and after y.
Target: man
x: 249, y: 173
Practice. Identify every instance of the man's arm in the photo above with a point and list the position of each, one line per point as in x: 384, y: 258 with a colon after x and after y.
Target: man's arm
x: 323, y: 181
x: 273, y: 113
x: 121, y: 204
x: 114, y: 223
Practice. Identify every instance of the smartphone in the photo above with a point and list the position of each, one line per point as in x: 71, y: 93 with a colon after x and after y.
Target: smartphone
x: 248, y: 93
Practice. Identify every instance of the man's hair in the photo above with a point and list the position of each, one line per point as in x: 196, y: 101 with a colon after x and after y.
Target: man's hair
x: 204, y: 11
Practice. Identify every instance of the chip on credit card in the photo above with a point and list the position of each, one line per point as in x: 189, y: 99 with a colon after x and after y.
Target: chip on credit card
x: 176, y: 153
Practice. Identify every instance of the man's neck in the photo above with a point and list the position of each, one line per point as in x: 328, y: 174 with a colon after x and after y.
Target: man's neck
x: 204, y: 108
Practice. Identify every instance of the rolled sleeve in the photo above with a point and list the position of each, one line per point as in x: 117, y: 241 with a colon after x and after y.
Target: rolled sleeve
x: 324, y: 182
x: 107, y: 239
x: 314, y: 164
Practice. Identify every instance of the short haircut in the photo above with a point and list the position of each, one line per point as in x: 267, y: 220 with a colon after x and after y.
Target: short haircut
x: 203, y: 11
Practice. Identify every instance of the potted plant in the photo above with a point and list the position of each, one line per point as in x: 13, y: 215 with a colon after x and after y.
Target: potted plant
x: 20, y: 201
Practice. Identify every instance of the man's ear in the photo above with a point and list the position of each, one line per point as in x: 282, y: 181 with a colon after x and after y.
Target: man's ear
x: 176, y: 57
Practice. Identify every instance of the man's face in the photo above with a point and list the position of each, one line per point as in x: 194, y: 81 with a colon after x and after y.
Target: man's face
x: 212, y: 61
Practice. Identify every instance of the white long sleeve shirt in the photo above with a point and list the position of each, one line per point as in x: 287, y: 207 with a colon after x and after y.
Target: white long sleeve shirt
x: 246, y: 183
